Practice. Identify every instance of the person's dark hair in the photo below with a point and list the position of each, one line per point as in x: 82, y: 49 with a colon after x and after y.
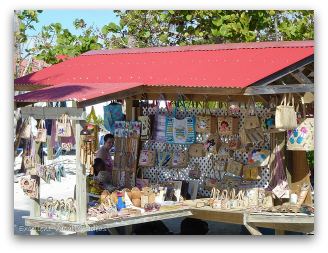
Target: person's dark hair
x: 108, y: 136
x: 99, y: 165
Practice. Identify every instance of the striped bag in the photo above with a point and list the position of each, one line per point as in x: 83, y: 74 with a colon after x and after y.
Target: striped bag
x: 180, y: 131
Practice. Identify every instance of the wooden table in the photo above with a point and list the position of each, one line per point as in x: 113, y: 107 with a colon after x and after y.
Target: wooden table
x: 296, y: 222
x: 77, y: 227
x: 281, y: 222
x: 252, y: 221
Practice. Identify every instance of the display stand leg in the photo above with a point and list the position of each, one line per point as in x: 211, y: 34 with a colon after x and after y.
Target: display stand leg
x: 81, y: 189
x: 113, y: 231
x: 279, y: 232
x: 128, y: 230
x: 50, y: 153
x: 35, y: 203
x: 250, y: 227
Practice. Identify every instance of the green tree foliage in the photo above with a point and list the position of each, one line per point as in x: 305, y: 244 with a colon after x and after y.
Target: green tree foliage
x: 26, y: 19
x: 149, y: 28
x: 55, y: 41
x: 187, y: 27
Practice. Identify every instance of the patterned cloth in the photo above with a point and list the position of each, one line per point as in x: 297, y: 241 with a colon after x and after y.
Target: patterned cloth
x: 112, y: 112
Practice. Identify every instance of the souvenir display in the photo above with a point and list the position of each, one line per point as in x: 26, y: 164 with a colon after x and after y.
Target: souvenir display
x: 92, y: 127
x: 64, y: 210
x: 301, y: 137
x: 50, y: 172
x: 252, y: 135
x: 196, y: 150
x: 229, y: 168
x: 212, y: 144
x: 285, y: 117
x: 147, y: 158
x: 227, y: 125
x: 63, y: 126
x: 180, y: 131
x: 203, y: 124
x: 145, y: 127
x: 209, y: 183
x: 26, y: 129
x: 30, y: 187
x: 278, y: 183
x: 159, y: 128
x: 195, y: 172
x: 112, y: 112
x: 126, y: 159
x: 259, y: 157
x: 179, y: 159
x: 42, y: 132
x: 251, y: 121
x: 163, y: 158
x: 251, y: 172
x: 87, y: 147
x: 234, y: 167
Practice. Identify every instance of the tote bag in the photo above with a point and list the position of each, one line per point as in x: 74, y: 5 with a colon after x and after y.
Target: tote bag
x: 285, y: 114
x: 159, y: 124
x: 63, y: 127
x: 251, y: 121
x: 227, y: 125
x: 234, y: 167
x: 145, y: 127
x: 302, y: 137
x: 26, y: 129
x: 41, y: 135
x: 203, y: 124
x: 179, y: 159
x: 147, y: 158
x: 180, y: 131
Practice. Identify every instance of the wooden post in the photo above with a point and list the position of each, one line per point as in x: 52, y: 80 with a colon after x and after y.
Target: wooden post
x: 35, y: 203
x: 81, y: 188
x: 128, y: 109
x: 50, y: 153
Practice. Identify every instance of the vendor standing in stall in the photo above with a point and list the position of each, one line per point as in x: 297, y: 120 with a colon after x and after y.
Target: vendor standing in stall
x: 104, y: 152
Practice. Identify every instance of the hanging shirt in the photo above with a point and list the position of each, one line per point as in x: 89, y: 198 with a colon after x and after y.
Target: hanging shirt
x: 112, y: 112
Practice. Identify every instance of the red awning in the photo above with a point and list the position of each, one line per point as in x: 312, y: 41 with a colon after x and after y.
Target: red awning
x: 236, y: 65
x: 76, y: 92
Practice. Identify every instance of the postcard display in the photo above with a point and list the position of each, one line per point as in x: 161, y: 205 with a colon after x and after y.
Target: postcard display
x: 126, y: 135
x: 213, y: 165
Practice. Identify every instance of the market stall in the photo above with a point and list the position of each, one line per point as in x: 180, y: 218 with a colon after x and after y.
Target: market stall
x: 220, y: 147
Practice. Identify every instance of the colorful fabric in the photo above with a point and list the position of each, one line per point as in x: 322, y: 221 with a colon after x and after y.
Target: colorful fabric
x: 112, y: 112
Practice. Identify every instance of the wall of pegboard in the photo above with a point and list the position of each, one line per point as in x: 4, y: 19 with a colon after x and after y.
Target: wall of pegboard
x: 208, y: 165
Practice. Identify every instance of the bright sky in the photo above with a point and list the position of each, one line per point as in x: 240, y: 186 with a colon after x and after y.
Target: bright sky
x: 98, y: 18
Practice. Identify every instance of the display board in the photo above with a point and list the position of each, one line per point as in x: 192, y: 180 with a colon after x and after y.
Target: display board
x: 157, y: 174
